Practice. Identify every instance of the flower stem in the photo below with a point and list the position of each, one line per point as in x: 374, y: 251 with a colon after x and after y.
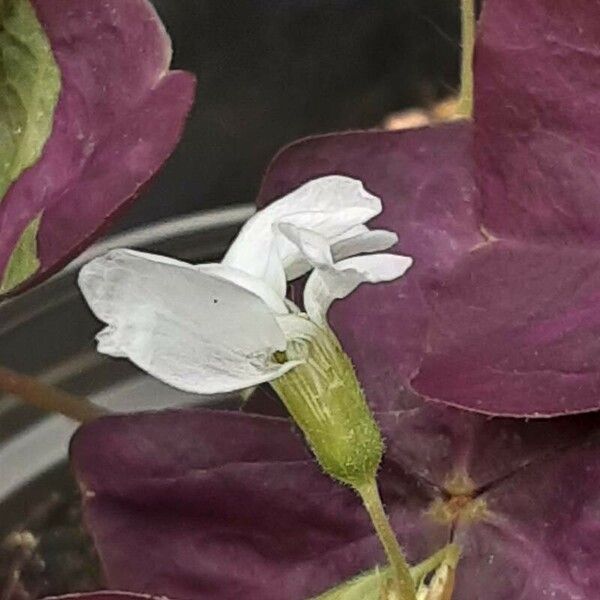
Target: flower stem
x: 449, y: 554
x: 403, y: 581
x: 468, y: 24
x: 48, y: 398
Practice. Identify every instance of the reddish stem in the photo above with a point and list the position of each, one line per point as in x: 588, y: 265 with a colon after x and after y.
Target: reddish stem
x: 48, y: 398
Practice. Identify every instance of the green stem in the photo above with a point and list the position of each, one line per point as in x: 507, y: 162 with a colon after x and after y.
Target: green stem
x: 48, y: 398
x: 468, y: 22
x: 449, y: 554
x: 403, y: 581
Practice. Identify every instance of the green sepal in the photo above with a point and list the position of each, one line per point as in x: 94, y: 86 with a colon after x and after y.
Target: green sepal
x: 324, y: 398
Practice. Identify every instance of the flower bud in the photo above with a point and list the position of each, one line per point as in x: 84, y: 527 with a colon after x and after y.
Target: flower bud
x: 323, y: 396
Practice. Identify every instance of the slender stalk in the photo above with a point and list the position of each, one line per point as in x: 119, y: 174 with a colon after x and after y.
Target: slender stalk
x: 449, y: 554
x: 48, y: 398
x: 468, y: 24
x: 403, y: 581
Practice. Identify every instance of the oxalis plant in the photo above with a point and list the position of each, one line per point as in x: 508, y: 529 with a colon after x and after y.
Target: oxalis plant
x: 446, y: 392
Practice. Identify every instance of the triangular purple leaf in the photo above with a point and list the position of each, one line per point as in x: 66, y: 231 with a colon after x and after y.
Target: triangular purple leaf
x: 119, y: 116
x: 263, y: 523
x: 541, y: 536
x: 502, y: 216
x: 516, y: 326
x: 425, y: 179
x: 536, y: 104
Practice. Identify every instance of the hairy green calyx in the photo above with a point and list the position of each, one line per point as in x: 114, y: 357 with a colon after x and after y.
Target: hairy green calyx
x: 325, y: 399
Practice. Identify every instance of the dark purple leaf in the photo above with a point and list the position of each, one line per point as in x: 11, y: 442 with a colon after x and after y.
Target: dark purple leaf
x: 537, y: 135
x: 424, y: 175
x: 260, y: 522
x: 516, y: 326
x: 501, y: 312
x: 219, y: 505
x: 119, y: 116
x: 425, y: 179
x: 541, y: 538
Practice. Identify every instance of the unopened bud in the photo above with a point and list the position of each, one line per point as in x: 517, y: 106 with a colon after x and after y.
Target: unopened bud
x: 325, y: 399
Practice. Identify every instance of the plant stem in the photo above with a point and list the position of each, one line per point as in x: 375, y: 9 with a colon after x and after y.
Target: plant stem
x: 449, y: 554
x: 403, y: 581
x: 48, y: 398
x: 468, y: 24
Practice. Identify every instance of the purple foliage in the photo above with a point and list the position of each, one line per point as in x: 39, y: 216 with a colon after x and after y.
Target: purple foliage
x: 203, y: 505
x: 501, y: 313
x: 537, y: 135
x: 119, y: 116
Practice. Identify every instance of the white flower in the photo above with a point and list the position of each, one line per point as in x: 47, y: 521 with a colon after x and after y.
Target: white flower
x: 213, y: 328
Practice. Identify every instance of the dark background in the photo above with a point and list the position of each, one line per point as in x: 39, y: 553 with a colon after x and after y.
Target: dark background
x: 272, y: 71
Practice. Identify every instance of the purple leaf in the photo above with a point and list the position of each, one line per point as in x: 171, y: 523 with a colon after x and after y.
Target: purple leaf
x: 516, y: 326
x: 119, y: 116
x: 501, y: 312
x: 542, y: 536
x: 425, y: 180
x: 537, y: 137
x: 425, y: 176
x: 220, y: 505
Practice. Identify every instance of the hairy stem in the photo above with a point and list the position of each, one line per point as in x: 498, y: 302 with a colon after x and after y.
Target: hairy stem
x: 402, y: 578
x: 48, y: 398
x: 465, y: 103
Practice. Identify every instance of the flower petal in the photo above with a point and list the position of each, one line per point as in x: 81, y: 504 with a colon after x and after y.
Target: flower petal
x: 312, y: 246
x: 331, y: 281
x: 298, y: 327
x: 363, y: 242
x: 357, y: 240
x: 196, y: 331
x: 258, y: 287
x: 326, y: 284
x: 329, y: 205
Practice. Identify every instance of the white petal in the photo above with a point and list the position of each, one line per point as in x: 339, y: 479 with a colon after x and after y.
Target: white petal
x: 334, y: 227
x: 197, y: 332
x: 329, y: 205
x: 274, y: 274
x: 327, y: 284
x: 295, y: 262
x: 298, y: 327
x: 363, y: 243
x: 313, y: 246
x: 317, y: 250
x: 297, y: 267
x: 258, y: 287
x: 356, y: 240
